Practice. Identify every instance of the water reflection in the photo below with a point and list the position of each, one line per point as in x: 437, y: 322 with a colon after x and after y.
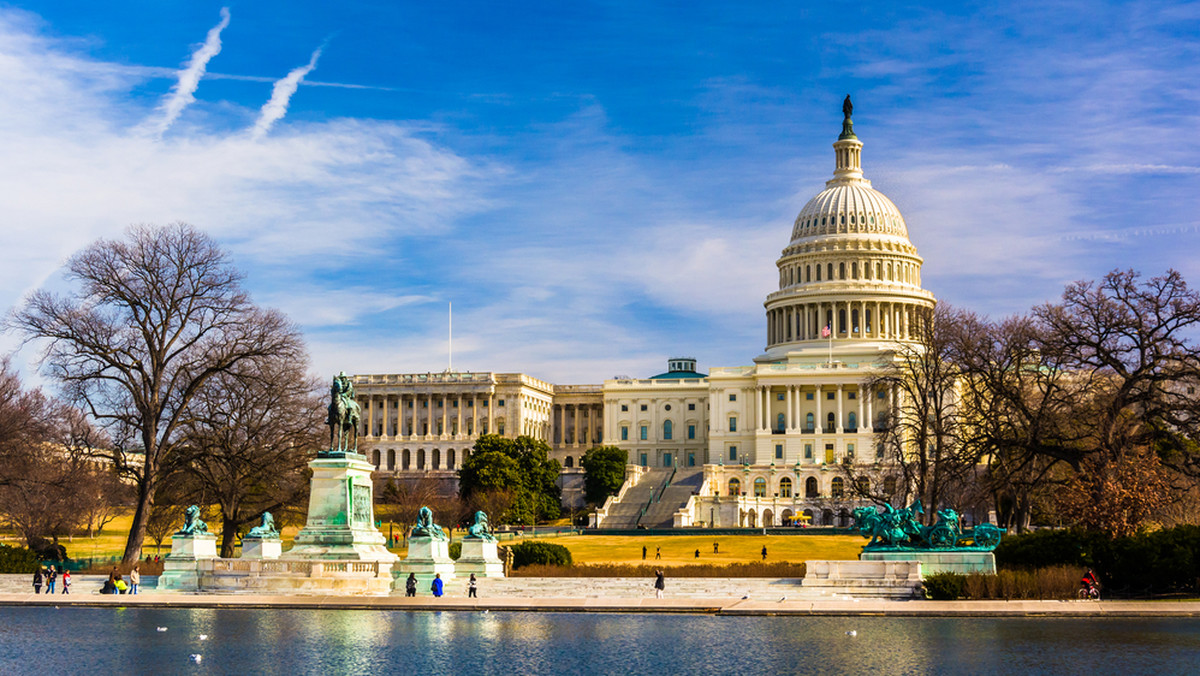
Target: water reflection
x: 109, y: 640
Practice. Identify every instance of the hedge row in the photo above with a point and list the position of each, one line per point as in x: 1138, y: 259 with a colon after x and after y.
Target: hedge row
x: 18, y: 560
x: 539, y: 553
x: 1159, y: 562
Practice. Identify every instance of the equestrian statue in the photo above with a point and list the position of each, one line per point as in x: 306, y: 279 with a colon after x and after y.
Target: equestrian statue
x: 343, y: 416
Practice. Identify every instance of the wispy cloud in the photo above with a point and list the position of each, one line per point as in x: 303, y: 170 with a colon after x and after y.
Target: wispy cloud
x: 183, y: 93
x: 274, y: 109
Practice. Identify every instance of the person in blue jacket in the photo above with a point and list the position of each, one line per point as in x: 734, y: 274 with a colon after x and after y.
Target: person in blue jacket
x: 436, y: 586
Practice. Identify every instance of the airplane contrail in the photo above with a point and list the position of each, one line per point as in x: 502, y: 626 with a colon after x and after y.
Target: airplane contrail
x: 182, y: 94
x: 274, y: 109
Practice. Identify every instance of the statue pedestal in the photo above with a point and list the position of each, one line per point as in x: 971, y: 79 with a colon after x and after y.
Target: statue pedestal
x: 181, y: 568
x: 479, y: 557
x: 964, y: 562
x: 341, y: 513
x: 862, y: 579
x: 261, y: 548
x: 426, y: 557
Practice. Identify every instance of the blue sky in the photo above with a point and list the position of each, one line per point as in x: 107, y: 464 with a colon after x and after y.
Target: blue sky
x: 595, y: 186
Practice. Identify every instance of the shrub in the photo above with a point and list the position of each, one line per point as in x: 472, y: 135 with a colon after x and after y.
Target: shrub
x: 456, y: 550
x: 1055, y: 582
x: 18, y: 560
x: 944, y: 586
x: 534, y: 552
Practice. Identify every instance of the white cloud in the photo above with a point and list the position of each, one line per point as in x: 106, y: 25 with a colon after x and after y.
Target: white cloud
x: 281, y: 94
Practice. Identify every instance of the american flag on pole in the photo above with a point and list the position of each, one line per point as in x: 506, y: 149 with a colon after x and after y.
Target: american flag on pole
x: 826, y: 332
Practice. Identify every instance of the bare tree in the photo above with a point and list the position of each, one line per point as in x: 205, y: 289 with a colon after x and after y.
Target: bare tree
x: 163, y: 519
x: 151, y: 319
x: 922, y: 430
x: 248, y: 437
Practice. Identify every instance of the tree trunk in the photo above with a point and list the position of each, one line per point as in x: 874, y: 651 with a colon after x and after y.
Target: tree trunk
x: 229, y: 529
x: 141, y: 515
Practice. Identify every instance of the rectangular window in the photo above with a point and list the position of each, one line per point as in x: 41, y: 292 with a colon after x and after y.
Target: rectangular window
x: 645, y: 432
x: 879, y: 451
x: 500, y: 427
x: 440, y: 402
x: 691, y: 407
x: 691, y: 431
x: 849, y: 453
x: 733, y: 424
x: 733, y: 397
x: 733, y: 454
x: 808, y: 451
x: 879, y: 395
x: 778, y: 451
x: 691, y: 460
x: 828, y: 395
x: 624, y: 407
x: 643, y: 459
x: 779, y: 397
x: 624, y: 434
x: 852, y: 395
x: 667, y: 432
x: 454, y: 404
x: 500, y: 402
x: 666, y: 459
x: 424, y: 403
x: 643, y: 407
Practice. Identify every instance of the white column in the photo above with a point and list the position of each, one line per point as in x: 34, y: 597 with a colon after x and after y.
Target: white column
x: 575, y: 423
x: 371, y: 416
x: 870, y: 422
x: 861, y: 408
x: 445, y: 414
x: 491, y: 413
x: 460, y: 416
x: 841, y: 420
x: 820, y: 422
x: 787, y: 423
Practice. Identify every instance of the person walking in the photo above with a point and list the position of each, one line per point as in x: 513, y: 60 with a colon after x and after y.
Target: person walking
x: 715, y: 548
x: 410, y: 585
x: 436, y: 585
x: 37, y: 579
x: 660, y: 584
x: 764, y: 553
x: 657, y: 553
x: 697, y: 553
x: 135, y: 578
x: 51, y: 578
x: 643, y: 552
x: 66, y: 582
x: 471, y: 587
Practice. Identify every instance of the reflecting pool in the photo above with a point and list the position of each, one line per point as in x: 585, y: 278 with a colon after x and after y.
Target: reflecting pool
x: 128, y: 640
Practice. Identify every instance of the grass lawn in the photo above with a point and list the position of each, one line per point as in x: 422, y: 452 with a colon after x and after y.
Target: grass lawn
x: 679, y: 550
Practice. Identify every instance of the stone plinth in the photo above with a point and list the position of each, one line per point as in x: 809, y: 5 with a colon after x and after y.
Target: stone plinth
x: 341, y: 514
x: 261, y: 548
x: 940, y: 562
x: 188, y: 554
x: 426, y: 557
x: 479, y: 557
x: 870, y: 579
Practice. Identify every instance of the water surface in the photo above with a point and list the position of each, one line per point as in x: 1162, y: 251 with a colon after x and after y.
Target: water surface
x: 283, y: 641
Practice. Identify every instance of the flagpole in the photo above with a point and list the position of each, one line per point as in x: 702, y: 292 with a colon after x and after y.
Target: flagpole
x: 450, y: 337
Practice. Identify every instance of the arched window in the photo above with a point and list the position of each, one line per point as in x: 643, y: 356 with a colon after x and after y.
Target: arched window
x: 785, y: 487
x: 760, y: 488
x: 829, y: 270
x: 570, y: 462
x: 889, y: 486
x: 841, y: 327
x: 831, y: 422
x: 811, y: 488
x: 863, y: 485
x: 841, y: 270
x: 407, y: 462
x: 735, y: 487
x: 827, y: 517
x: 450, y: 459
x: 437, y: 459
x: 837, y: 487
x: 854, y: 270
x: 780, y: 422
x: 843, y: 518
x: 818, y: 272
x: 853, y: 421
x: 391, y: 458
x: 375, y: 455
x: 667, y: 430
x: 808, y: 273
x: 809, y: 422
x: 420, y: 458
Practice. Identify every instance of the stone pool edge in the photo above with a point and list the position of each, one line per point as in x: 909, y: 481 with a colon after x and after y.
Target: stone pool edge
x: 715, y: 606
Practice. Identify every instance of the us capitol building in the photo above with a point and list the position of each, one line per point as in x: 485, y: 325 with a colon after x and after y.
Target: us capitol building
x: 751, y: 446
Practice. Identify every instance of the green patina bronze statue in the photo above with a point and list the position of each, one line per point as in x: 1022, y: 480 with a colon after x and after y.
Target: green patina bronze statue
x: 192, y: 524
x: 892, y: 529
x: 343, y: 417
x: 425, y: 527
x: 265, y: 530
x: 480, y: 530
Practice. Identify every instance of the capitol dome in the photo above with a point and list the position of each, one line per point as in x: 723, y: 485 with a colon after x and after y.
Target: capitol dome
x: 849, y: 275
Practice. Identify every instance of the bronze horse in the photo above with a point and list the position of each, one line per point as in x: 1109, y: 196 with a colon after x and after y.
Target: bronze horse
x: 343, y: 416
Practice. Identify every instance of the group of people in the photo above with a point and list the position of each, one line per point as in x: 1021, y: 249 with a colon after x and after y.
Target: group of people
x: 437, y: 586
x: 49, y: 577
x: 716, y: 550
x: 115, y: 584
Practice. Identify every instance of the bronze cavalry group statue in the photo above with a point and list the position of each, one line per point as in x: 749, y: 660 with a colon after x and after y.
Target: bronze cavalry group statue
x: 892, y: 529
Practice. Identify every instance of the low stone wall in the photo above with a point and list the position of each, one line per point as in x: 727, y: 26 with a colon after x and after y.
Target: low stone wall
x: 628, y: 587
